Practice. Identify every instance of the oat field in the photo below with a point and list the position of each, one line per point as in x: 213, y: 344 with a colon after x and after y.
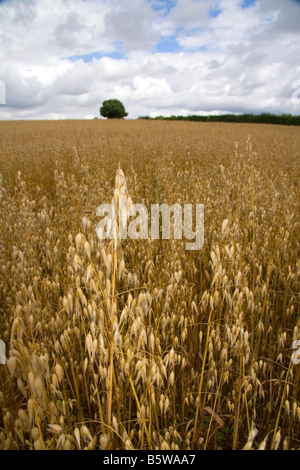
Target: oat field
x: 146, y: 345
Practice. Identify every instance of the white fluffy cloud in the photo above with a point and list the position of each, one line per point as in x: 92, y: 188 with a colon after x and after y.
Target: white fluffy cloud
x: 62, y: 58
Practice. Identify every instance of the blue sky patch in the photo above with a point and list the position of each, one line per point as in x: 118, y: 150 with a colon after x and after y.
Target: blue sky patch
x: 214, y: 12
x: 96, y: 55
x: 167, y: 44
x: 163, y: 6
x: 247, y: 3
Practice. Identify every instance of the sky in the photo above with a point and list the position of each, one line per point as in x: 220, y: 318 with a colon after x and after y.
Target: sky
x: 60, y: 59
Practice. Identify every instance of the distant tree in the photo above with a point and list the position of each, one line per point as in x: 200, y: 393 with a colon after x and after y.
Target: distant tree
x: 113, y: 109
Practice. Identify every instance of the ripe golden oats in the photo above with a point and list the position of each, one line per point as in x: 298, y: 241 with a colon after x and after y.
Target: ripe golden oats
x: 127, y: 345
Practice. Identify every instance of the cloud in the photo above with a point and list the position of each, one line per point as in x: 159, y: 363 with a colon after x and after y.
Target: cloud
x: 132, y: 23
x: 62, y: 58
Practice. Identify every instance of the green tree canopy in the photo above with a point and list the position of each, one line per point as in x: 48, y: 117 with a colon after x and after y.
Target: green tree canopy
x: 113, y: 109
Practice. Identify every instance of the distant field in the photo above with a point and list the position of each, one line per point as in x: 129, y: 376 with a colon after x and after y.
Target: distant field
x: 148, y: 345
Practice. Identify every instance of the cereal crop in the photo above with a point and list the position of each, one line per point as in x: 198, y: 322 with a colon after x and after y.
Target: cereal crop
x: 142, y: 344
